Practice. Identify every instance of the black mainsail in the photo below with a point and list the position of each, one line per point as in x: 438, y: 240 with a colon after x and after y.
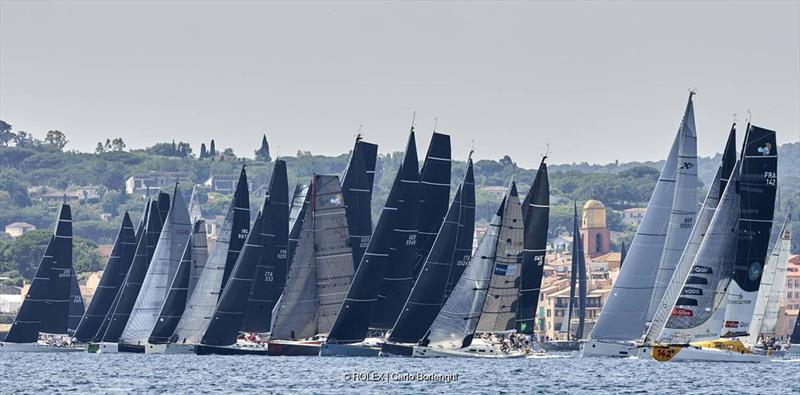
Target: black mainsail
x: 577, y: 279
x: 357, y: 189
x: 398, y: 274
x: 129, y: 291
x: 427, y: 296
x: 46, y: 307
x: 353, y: 320
x: 269, y: 277
x: 434, y: 195
x: 76, y: 306
x: 795, y: 338
x: 229, y: 313
x: 113, y: 275
x: 536, y: 219
x: 241, y: 225
x: 466, y: 230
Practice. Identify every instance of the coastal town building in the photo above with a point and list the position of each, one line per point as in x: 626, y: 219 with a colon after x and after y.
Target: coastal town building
x: 154, y: 181
x: 17, y: 229
x: 633, y: 216
x: 596, y: 237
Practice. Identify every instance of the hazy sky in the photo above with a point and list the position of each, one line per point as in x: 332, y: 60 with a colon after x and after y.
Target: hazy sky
x: 598, y: 81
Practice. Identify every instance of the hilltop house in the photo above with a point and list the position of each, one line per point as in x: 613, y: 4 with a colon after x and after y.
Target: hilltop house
x: 154, y: 181
x: 17, y: 229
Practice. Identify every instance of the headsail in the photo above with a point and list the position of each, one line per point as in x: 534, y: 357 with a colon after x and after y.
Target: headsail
x: 502, y: 299
x: 160, y: 274
x: 45, y: 308
x: 353, y: 320
x: 175, y: 302
x: 536, y: 220
x: 455, y: 325
x: 297, y: 211
x: 771, y: 286
x: 758, y: 181
x: 113, y: 275
x: 682, y: 269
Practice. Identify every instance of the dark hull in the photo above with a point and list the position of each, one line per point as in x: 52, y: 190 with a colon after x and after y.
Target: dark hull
x: 130, y: 348
x: 293, y: 349
x: 396, y: 350
x: 566, y: 345
x: 229, y: 350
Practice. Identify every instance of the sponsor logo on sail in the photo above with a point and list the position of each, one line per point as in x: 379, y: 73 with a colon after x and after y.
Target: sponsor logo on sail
x: 702, y: 270
x: 765, y: 150
x: 679, y: 312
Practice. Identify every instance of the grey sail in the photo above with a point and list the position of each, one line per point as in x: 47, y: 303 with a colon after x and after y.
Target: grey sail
x: 203, y: 300
x: 294, y: 315
x: 500, y: 308
x: 780, y: 256
x: 684, y: 207
x: 199, y: 254
x: 694, y: 314
x: 623, y: 316
x: 195, y: 213
x: 167, y: 256
x: 455, y: 325
x: 322, y: 268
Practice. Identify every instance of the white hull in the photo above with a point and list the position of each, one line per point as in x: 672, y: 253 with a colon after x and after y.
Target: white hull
x: 597, y: 348
x: 155, y: 348
x: 38, y: 347
x: 109, y: 348
x: 698, y: 354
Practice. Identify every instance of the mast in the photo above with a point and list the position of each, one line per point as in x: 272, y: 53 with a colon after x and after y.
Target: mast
x: 46, y: 307
x: 536, y: 219
x: 269, y: 277
x: 393, y: 231
x: 427, y: 295
x: 113, y: 275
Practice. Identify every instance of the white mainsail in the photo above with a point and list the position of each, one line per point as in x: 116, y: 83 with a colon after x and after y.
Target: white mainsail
x: 684, y: 208
x: 624, y: 314
x: 166, y: 258
x: 768, y: 302
x: 461, y: 313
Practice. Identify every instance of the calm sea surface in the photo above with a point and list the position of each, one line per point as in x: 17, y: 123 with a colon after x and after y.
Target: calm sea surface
x: 558, y: 373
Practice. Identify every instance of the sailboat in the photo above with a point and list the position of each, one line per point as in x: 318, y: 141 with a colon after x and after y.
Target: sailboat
x: 794, y: 339
x: 389, y: 258
x: 76, y: 306
x: 319, y: 275
x: 427, y: 296
x: 269, y: 276
x: 113, y: 275
x: 485, y: 295
x: 729, y: 262
x: 202, y: 302
x: 42, y: 323
x: 577, y: 282
x: 118, y: 314
x: 192, y: 262
x: 171, y: 245
x: 625, y: 313
x: 768, y: 302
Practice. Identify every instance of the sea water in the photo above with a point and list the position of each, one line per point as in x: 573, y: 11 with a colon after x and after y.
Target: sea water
x: 554, y: 374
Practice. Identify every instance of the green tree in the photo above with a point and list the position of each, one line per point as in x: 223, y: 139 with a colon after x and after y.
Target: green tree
x: 6, y: 135
x: 56, y: 139
x: 99, y: 149
x: 11, y: 181
x: 118, y: 145
x: 212, y: 149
